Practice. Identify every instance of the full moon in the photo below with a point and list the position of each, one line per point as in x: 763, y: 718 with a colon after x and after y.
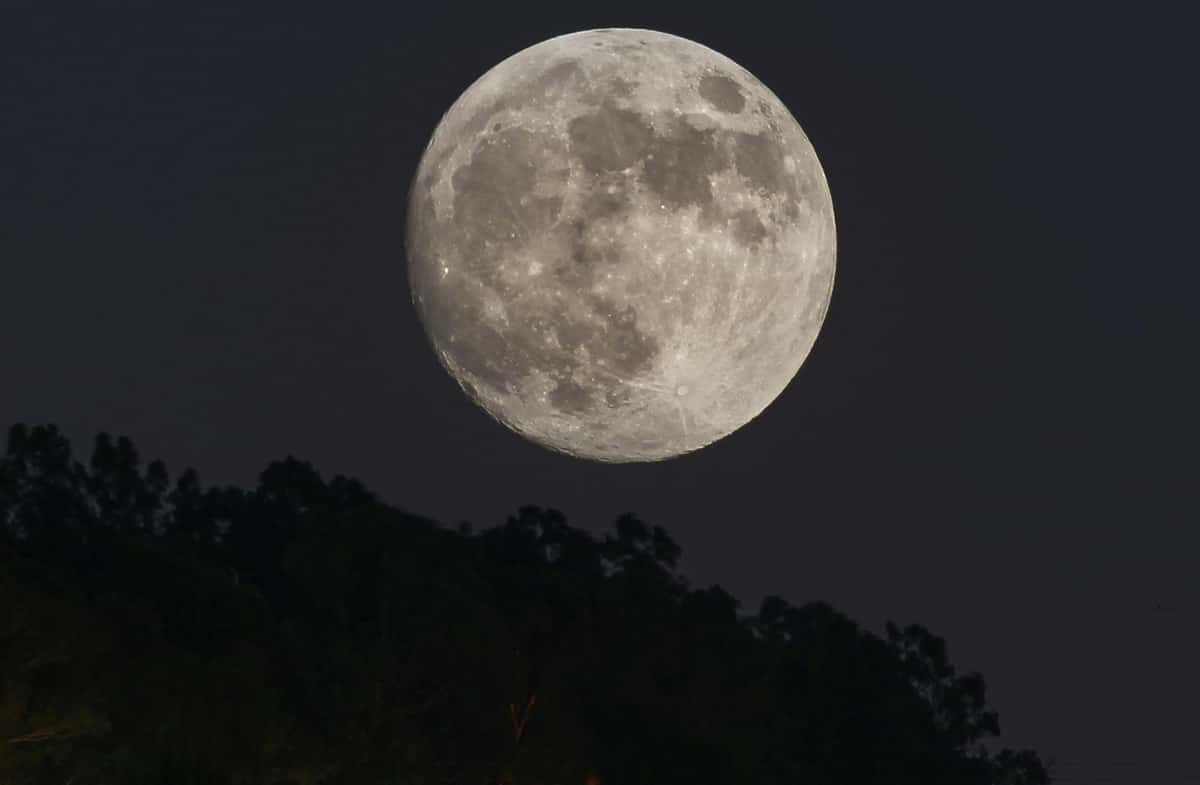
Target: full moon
x: 621, y: 244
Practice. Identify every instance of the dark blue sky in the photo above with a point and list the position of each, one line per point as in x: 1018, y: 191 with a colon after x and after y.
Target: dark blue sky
x: 201, y: 245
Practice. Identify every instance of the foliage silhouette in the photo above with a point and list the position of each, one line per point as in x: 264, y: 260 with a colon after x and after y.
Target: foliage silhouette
x: 305, y: 632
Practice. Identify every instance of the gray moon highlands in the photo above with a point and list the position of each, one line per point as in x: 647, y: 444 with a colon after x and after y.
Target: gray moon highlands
x: 621, y: 244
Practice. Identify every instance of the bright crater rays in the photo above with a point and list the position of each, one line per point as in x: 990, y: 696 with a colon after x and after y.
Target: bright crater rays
x: 621, y: 244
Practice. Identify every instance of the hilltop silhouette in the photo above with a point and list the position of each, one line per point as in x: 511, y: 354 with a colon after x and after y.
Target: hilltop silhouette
x: 305, y: 632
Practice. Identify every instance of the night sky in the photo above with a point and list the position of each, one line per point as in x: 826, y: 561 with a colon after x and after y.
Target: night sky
x: 201, y: 246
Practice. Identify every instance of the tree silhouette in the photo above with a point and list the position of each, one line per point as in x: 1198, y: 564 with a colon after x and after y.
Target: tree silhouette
x: 303, y: 631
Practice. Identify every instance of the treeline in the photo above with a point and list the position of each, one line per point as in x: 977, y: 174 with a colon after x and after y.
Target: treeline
x: 305, y: 632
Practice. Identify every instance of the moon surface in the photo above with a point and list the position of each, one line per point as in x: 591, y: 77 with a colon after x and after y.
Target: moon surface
x: 621, y: 244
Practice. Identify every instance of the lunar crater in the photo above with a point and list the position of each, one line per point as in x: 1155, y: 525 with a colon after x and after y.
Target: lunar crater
x: 722, y: 92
